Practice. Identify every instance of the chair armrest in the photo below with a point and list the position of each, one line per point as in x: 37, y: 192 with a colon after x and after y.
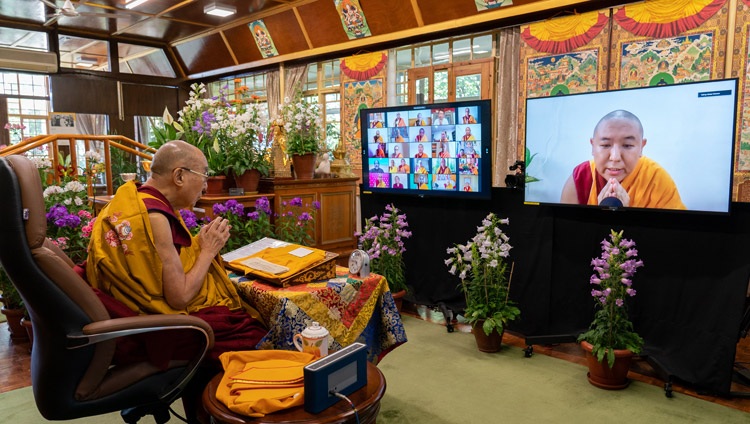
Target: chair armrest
x: 99, y: 331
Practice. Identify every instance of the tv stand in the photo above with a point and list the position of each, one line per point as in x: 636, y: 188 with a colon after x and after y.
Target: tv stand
x: 547, y: 340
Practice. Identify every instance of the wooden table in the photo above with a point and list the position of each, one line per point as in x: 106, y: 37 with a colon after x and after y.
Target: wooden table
x: 366, y: 399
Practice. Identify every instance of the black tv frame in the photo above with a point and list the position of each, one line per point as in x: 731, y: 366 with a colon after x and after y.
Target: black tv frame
x: 485, y: 148
x: 731, y: 155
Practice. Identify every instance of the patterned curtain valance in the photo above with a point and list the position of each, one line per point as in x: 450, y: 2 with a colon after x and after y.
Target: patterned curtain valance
x: 666, y: 18
x: 562, y: 35
x: 364, y: 66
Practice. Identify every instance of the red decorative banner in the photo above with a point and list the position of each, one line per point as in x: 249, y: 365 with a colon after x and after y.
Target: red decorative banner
x: 363, y: 67
x: 666, y: 18
x: 562, y: 35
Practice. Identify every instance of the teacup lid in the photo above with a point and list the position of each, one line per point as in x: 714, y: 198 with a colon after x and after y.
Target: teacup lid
x: 315, y: 331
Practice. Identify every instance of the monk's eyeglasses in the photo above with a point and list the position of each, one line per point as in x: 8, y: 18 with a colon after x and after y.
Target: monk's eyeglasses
x: 205, y: 176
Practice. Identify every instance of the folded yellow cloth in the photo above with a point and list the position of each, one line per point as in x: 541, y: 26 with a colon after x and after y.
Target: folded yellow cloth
x: 281, y: 256
x: 259, y: 382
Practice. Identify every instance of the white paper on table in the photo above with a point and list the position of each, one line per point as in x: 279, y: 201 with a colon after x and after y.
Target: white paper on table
x: 300, y: 252
x: 253, y: 248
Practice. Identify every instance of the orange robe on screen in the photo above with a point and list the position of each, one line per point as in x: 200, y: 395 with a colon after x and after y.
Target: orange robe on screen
x: 649, y: 186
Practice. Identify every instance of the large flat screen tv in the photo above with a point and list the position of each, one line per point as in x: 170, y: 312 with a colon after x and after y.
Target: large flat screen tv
x: 663, y: 147
x: 441, y: 149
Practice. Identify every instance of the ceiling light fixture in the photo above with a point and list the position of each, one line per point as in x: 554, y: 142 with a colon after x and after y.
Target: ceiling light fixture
x: 86, y: 59
x: 221, y: 10
x: 134, y: 3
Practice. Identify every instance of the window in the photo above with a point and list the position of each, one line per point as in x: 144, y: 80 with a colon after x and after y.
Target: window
x: 27, y: 98
x: 437, y: 71
x: 142, y: 60
x: 84, y: 53
x: 323, y: 87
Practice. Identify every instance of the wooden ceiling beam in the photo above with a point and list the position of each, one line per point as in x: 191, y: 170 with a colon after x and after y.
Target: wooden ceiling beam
x: 417, y: 13
x: 302, y: 27
x: 500, y: 14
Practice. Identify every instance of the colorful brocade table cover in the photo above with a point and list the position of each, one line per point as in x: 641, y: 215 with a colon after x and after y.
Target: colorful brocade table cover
x: 352, y: 309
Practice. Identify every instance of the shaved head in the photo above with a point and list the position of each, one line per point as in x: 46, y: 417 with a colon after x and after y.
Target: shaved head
x: 620, y: 114
x: 174, y: 154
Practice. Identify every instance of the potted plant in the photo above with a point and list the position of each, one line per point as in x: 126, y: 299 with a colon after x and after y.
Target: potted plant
x: 195, y: 124
x: 69, y: 212
x: 13, y: 308
x: 248, y: 152
x: 246, y: 226
x: 611, y: 335
x: 383, y: 240
x: 302, y: 125
x: 482, y: 266
x: 295, y: 222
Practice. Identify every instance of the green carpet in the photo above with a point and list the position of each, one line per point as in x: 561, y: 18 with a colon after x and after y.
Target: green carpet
x: 441, y: 378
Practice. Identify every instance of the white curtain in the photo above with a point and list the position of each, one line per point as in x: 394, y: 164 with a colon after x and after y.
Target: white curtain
x: 506, y: 104
x: 294, y: 78
x: 92, y: 124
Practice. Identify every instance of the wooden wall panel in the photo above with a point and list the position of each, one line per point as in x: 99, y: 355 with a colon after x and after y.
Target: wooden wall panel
x: 204, y: 54
x: 434, y: 11
x: 286, y: 32
x: 150, y: 100
x: 385, y: 16
x: 243, y: 44
x: 323, y: 23
x: 82, y: 94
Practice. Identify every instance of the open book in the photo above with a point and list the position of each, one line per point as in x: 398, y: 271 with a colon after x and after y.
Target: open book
x: 281, y: 263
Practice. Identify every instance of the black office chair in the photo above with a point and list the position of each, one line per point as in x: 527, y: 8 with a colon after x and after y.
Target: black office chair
x: 72, y: 369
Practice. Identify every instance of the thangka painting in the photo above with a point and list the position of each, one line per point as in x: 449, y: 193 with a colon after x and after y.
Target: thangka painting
x: 667, y: 42
x: 358, y: 95
x: 562, y: 56
x: 666, y: 61
x: 492, y: 4
x: 263, y: 38
x: 561, y: 74
x: 353, y: 19
x: 741, y: 69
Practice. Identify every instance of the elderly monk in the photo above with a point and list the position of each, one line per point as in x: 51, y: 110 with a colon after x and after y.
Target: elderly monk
x: 142, y: 255
x: 619, y: 169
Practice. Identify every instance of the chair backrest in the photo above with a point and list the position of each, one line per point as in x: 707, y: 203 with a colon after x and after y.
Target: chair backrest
x: 59, y: 302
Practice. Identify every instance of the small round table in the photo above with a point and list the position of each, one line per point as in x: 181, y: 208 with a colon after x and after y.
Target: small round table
x: 366, y: 399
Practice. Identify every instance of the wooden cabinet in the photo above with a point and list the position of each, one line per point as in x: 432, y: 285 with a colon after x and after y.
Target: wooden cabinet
x: 336, y: 220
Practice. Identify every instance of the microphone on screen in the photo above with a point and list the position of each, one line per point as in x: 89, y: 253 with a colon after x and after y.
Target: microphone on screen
x: 611, y: 203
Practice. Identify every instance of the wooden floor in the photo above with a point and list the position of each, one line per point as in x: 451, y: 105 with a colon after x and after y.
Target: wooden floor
x: 15, y: 371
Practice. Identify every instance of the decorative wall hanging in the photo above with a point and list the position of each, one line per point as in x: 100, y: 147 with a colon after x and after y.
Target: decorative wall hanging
x: 363, y: 66
x: 741, y: 69
x: 666, y: 18
x: 358, y: 95
x: 492, y: 4
x: 690, y: 46
x: 352, y: 18
x: 564, y: 34
x: 578, y: 64
x: 263, y: 38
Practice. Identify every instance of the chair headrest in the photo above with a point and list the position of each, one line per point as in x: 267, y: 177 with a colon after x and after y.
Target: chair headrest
x: 32, y: 198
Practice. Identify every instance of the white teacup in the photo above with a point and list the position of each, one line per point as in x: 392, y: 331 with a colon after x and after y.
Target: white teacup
x: 127, y: 176
x: 313, y: 340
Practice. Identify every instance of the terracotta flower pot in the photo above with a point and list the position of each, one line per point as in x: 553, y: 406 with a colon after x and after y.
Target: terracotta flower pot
x: 215, y: 184
x: 485, y: 343
x: 398, y: 298
x: 304, y: 166
x: 248, y: 181
x: 17, y: 332
x: 604, y: 377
